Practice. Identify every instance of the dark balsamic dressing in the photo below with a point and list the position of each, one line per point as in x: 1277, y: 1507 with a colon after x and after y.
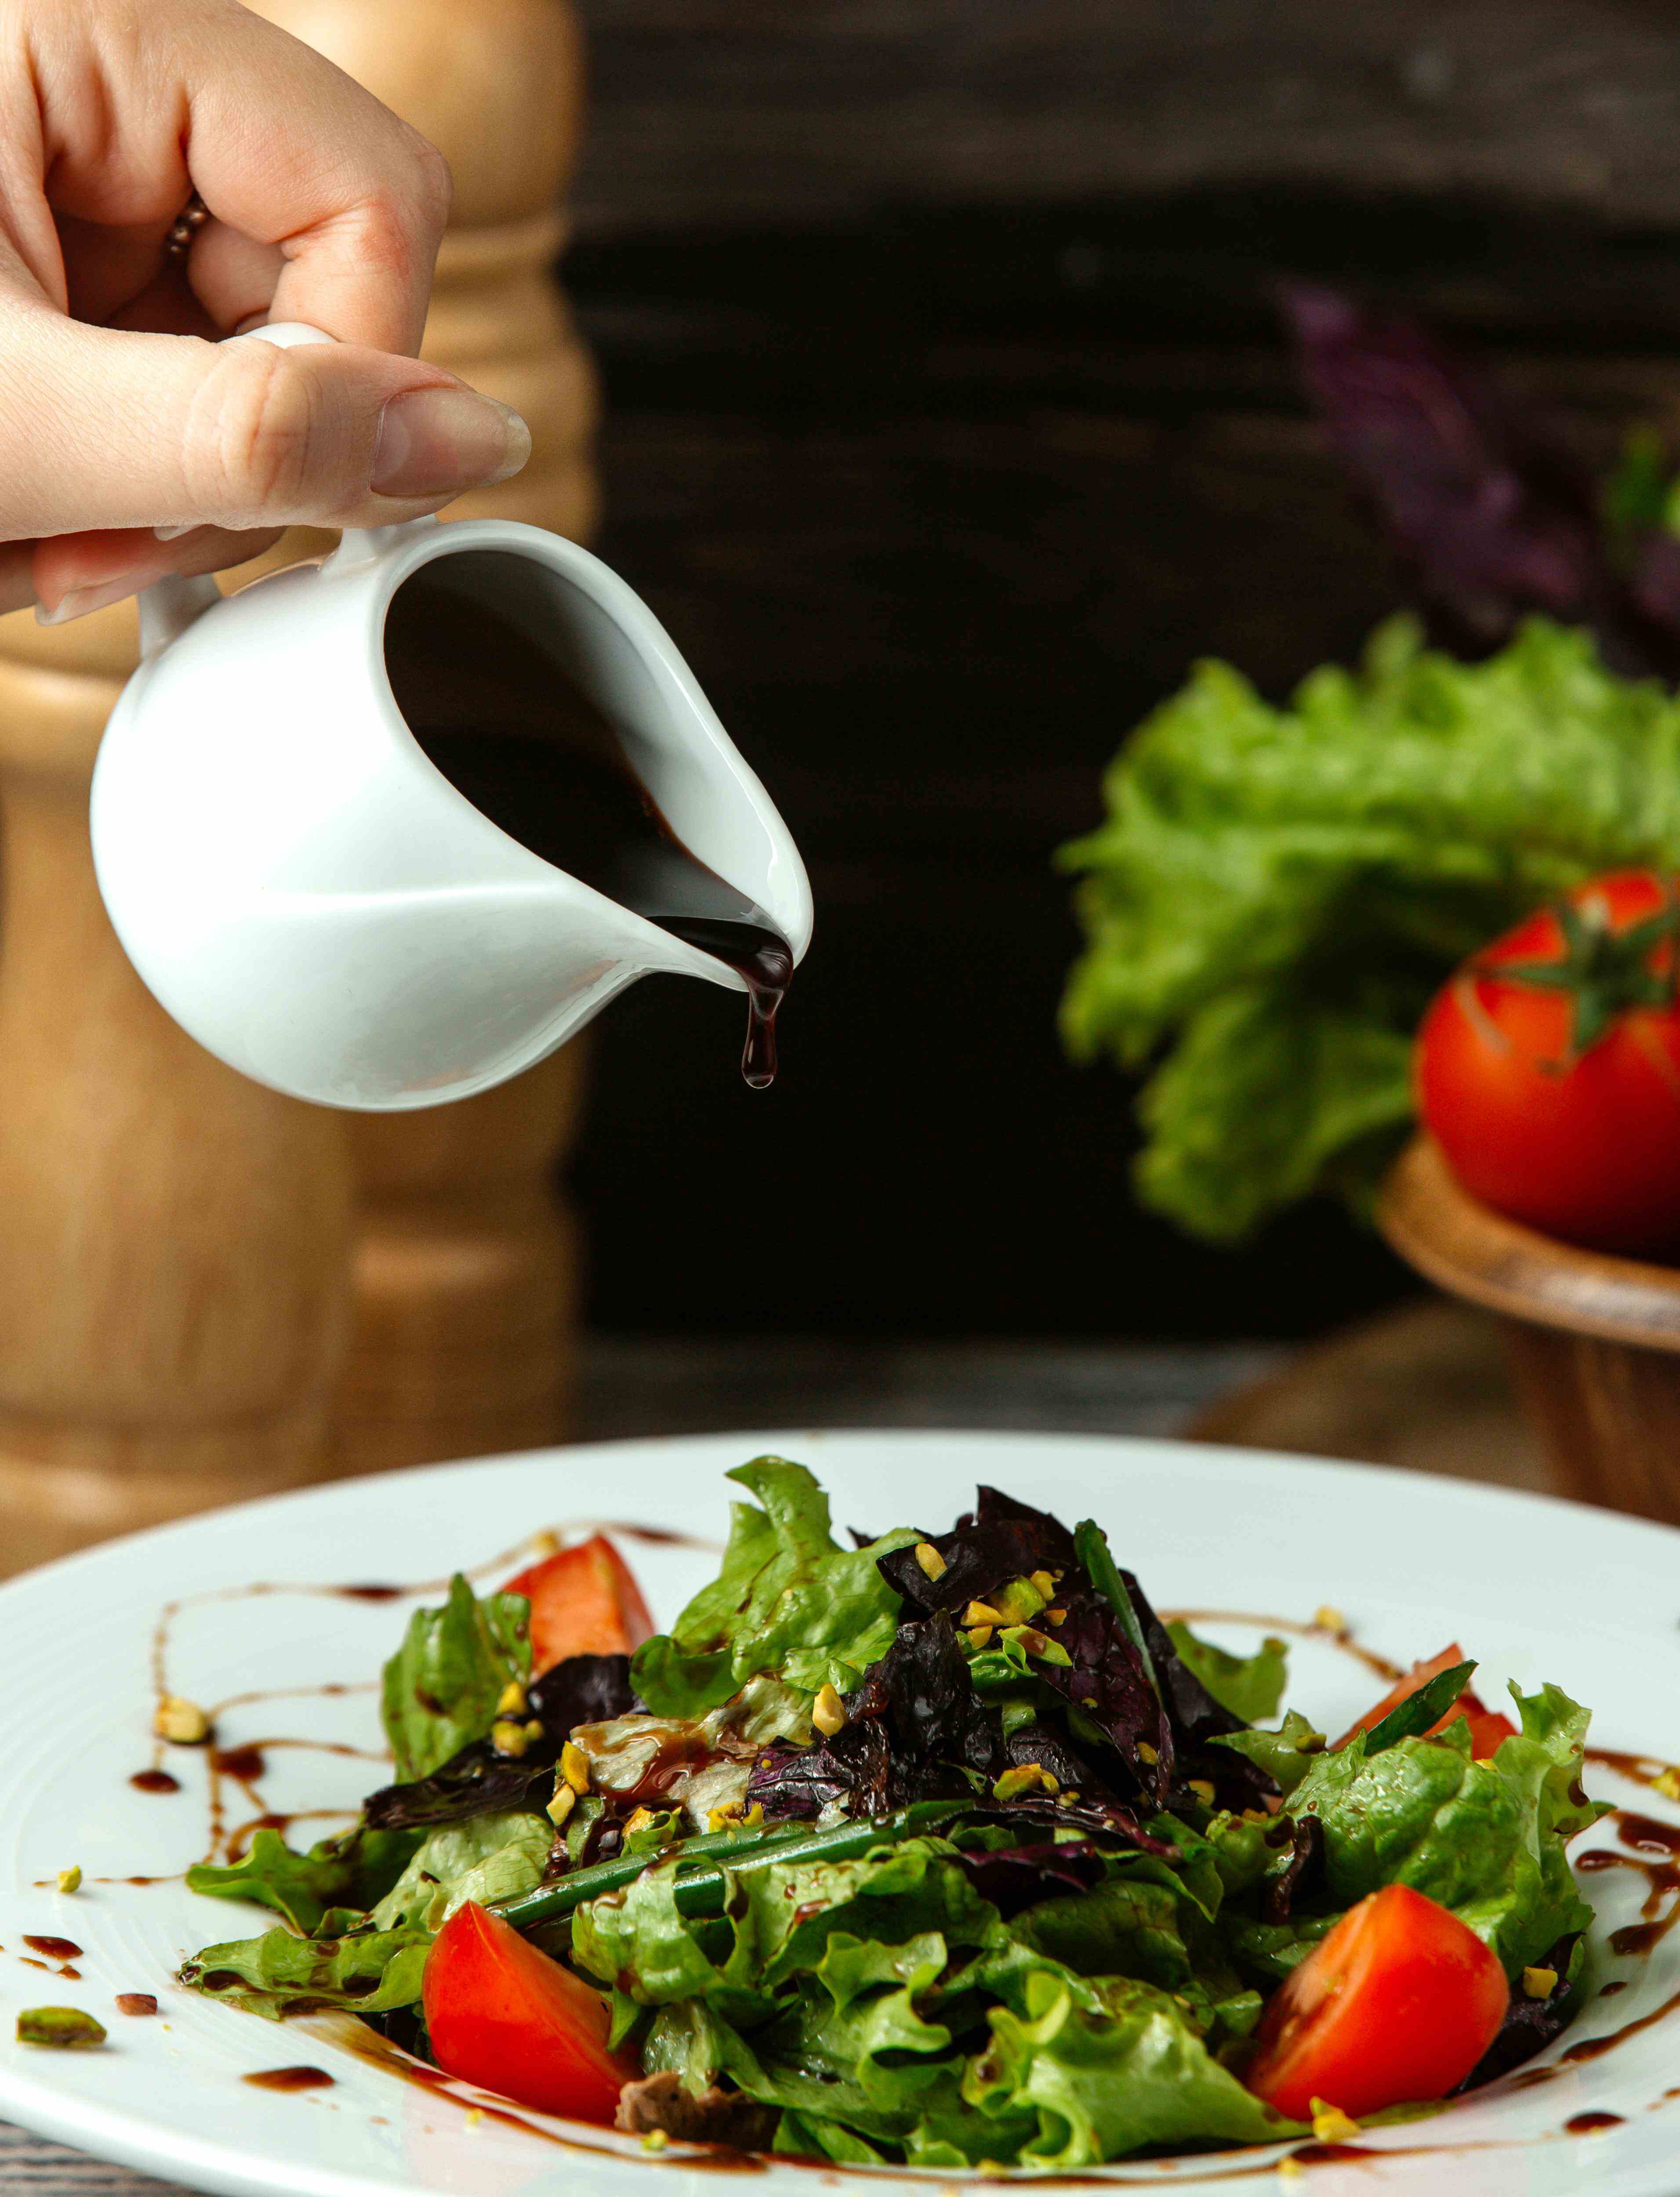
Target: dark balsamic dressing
x: 289, y: 2079
x: 56, y: 1948
x: 154, y: 1780
x: 497, y: 714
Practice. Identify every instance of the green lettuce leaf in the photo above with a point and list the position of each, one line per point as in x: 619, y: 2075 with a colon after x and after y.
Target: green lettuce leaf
x: 441, y: 1687
x: 1249, y: 1686
x: 368, y: 1973
x: 1485, y: 1839
x: 486, y: 1858
x: 1103, y: 2067
x: 352, y: 1870
x: 1287, y: 1754
x: 788, y: 1599
x: 1276, y: 893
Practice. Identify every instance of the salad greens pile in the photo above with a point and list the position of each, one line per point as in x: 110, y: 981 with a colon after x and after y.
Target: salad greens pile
x: 1020, y: 1898
x: 1276, y: 893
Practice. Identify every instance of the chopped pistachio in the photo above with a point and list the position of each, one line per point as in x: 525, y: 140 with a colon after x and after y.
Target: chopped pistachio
x: 513, y: 1702
x: 181, y: 1721
x: 1148, y: 1753
x: 655, y: 2139
x: 1539, y: 1983
x: 933, y: 1564
x: 564, y: 1802
x: 638, y: 1822
x: 1289, y: 2167
x: 1044, y: 1582
x: 1035, y: 1642
x: 1330, y: 2125
x: 732, y: 1813
x: 575, y: 1767
x: 1071, y: 1797
x: 1025, y: 1778
x: 979, y: 1635
x: 1056, y: 1617
x: 1669, y: 1784
x: 65, y: 2027
x: 828, y: 1712
x: 982, y: 1613
x: 70, y: 1880
x: 1202, y: 1791
x: 509, y: 1738
x: 1329, y: 1618
x: 475, y: 2116
x: 1019, y: 1602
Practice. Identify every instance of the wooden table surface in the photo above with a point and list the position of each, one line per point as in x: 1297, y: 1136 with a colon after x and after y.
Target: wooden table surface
x: 1423, y: 1387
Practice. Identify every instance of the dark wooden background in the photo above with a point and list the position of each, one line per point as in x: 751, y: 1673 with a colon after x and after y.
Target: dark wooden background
x: 948, y: 423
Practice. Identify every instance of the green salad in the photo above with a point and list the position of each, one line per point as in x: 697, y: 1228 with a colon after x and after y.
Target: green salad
x: 942, y: 1849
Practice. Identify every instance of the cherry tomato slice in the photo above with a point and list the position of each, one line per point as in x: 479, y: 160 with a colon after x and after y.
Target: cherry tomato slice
x: 1397, y: 2005
x: 504, y: 2015
x: 1488, y: 1728
x: 584, y: 1602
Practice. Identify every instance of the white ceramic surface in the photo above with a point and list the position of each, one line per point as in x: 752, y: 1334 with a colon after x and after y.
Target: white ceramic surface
x: 316, y: 904
x: 1536, y: 1589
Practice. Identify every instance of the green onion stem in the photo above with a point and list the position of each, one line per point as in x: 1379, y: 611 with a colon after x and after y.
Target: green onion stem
x: 703, y: 1861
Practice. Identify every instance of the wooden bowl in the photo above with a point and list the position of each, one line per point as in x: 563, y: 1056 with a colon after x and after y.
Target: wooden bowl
x: 1593, y: 1341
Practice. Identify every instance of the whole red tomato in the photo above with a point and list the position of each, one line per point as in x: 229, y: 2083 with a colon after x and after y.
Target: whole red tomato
x: 1548, y: 1067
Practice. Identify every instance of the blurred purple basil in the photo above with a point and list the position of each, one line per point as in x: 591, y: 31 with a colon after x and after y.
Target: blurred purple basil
x: 1495, y: 516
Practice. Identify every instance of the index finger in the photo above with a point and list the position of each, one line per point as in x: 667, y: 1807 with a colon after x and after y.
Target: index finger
x: 282, y: 145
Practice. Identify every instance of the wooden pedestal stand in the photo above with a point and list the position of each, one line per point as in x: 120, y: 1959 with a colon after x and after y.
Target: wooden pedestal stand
x: 208, y: 1291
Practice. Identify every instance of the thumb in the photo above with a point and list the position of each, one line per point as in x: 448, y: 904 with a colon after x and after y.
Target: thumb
x: 103, y: 427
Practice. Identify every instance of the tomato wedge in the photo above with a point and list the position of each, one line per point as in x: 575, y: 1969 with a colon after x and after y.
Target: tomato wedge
x: 1488, y: 1729
x: 501, y: 2014
x: 1397, y: 2005
x: 584, y: 1602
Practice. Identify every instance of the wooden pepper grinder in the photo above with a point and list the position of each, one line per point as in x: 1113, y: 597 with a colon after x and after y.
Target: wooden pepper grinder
x: 208, y: 1291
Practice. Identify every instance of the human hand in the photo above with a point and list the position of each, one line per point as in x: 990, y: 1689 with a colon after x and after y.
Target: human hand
x: 119, y: 411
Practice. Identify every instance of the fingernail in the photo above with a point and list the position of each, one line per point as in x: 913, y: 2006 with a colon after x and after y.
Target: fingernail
x: 81, y: 600
x: 175, y: 533
x: 435, y: 441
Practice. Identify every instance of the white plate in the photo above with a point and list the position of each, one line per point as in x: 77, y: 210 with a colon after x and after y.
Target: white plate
x: 1535, y: 1589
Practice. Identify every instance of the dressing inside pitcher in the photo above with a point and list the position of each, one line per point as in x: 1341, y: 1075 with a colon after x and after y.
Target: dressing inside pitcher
x: 491, y: 689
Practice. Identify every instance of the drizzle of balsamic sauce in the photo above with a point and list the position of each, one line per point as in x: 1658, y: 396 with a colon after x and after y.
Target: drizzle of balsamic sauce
x: 1590, y: 2124
x: 498, y: 715
x: 56, y: 1948
x: 289, y: 2079
x: 154, y: 1780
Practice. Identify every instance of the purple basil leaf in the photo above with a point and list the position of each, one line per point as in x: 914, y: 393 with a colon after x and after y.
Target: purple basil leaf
x: 1015, y: 1877
x: 1530, y: 2023
x: 999, y: 1541
x: 1494, y: 515
x: 1301, y: 1872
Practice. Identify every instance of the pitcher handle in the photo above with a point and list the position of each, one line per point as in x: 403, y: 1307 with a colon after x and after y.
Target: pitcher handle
x: 171, y: 604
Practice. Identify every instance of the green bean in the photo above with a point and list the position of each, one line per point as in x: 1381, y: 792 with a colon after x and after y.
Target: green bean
x: 703, y: 1861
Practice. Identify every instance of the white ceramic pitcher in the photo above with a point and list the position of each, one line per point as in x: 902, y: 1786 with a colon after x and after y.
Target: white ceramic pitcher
x: 315, y: 902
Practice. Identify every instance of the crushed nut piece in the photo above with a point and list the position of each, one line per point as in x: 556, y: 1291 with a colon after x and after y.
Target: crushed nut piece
x: 979, y: 1635
x: 1290, y: 2167
x: 1148, y: 1753
x: 70, y: 1880
x: 1539, y: 1983
x: 828, y: 1712
x: 509, y: 1738
x: 1025, y: 1778
x: 67, y: 2027
x: 982, y: 1613
x: 1056, y: 1617
x: 1202, y: 1791
x: 475, y: 2116
x: 513, y: 1702
x: 933, y: 1564
x: 638, y: 1821
x: 561, y: 1806
x: 655, y: 2139
x: 575, y: 1767
x: 182, y: 1721
x: 1330, y: 2125
x: 1070, y: 1798
x: 1044, y: 1582
x: 1329, y: 1618
x: 1669, y: 1784
x: 1035, y: 1642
